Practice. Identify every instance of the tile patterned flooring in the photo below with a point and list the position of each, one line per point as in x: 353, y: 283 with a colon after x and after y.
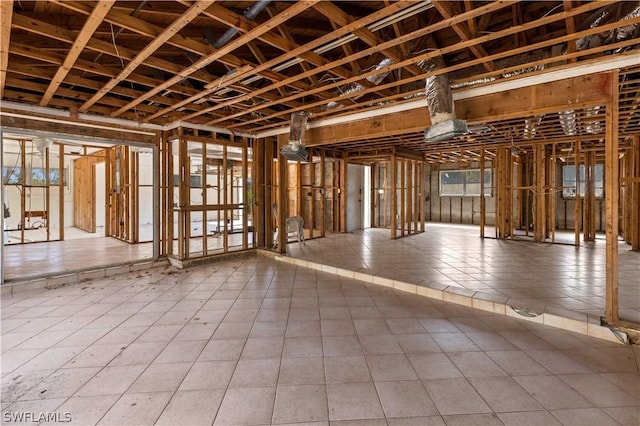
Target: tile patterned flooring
x: 257, y: 342
x: 528, y: 274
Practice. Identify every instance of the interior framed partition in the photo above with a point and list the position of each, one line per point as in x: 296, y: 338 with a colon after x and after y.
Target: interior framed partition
x: 398, y: 192
x: 209, y: 192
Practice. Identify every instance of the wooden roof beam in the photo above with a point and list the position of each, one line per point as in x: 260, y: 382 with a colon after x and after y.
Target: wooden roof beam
x: 149, y: 50
x: 320, y: 41
x: 446, y: 10
x: 291, y: 11
x: 571, y: 28
x: 6, y: 13
x: 57, y: 33
x: 337, y: 15
x: 93, y: 21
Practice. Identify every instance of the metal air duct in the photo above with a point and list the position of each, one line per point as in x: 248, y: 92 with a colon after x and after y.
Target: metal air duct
x: 295, y: 150
x: 444, y: 124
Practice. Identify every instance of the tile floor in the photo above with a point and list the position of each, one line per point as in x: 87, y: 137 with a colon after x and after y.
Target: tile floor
x: 257, y: 341
x: 531, y: 275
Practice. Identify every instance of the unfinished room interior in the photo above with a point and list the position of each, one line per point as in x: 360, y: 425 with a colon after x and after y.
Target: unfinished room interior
x: 320, y: 212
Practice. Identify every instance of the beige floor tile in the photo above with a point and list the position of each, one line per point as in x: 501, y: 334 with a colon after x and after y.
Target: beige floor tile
x: 338, y: 327
x: 87, y: 410
x: 208, y: 375
x: 221, y: 350
x: 301, y: 403
x: 301, y: 371
x: 302, y: 347
x: 472, y: 420
x: 371, y: 326
x: 552, y: 392
x: 268, y: 329
x: 390, y: 367
x: 136, y: 409
x: 255, y: 373
x: 349, y: 369
x: 246, y: 406
x: 358, y: 401
x: 233, y: 330
x: 263, y: 348
x: 434, y: 366
x: 416, y: 421
x: 192, y: 407
x: 341, y: 346
x: 516, y: 363
x: 111, y: 380
x: 584, y: 416
x: 417, y: 343
x: 138, y: 353
x: 160, y: 377
x: 528, y: 418
x: 176, y: 351
x: 503, y: 394
x: 475, y: 364
x: 600, y: 391
x: 405, y: 399
x: 380, y: 344
x: 303, y: 328
x: 455, y: 396
x: 624, y: 415
x: 61, y: 384
x: 27, y: 412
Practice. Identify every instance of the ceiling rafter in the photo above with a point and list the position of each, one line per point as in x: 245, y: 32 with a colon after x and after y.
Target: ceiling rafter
x: 102, y: 47
x: 465, y: 44
x: 410, y: 36
x: 291, y: 11
x: 93, y: 22
x: 149, y: 50
x: 571, y: 28
x: 6, y: 14
x: 447, y: 12
x: 334, y: 35
x: 337, y: 15
x: 282, y: 43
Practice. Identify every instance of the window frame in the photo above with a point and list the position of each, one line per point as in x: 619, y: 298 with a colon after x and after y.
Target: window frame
x: 488, y: 189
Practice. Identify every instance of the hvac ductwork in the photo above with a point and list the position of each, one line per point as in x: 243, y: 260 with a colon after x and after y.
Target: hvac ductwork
x: 249, y: 14
x: 295, y: 149
x: 374, y: 79
x: 568, y: 118
x: 444, y: 124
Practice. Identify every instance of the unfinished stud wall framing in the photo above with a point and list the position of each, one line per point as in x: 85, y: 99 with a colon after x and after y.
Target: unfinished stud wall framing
x: 210, y: 193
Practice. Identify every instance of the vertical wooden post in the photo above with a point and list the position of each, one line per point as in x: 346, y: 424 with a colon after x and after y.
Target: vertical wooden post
x: 483, y: 202
x: 422, y: 192
x: 394, y: 196
x: 135, y: 196
x: 61, y: 182
x: 203, y: 181
x: 343, y: 192
x: 611, y: 201
x: 578, y: 206
x: 553, y: 196
x: 246, y: 203
x: 635, y: 199
x: 403, y: 190
x: 321, y: 190
x: 539, y: 213
x: 283, y: 205
x: 374, y: 195
x: 225, y: 199
x: 47, y: 192
x: 259, y: 161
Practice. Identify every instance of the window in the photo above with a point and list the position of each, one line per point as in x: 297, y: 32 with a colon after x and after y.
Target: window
x: 13, y: 176
x: 464, y: 182
x: 569, y: 181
